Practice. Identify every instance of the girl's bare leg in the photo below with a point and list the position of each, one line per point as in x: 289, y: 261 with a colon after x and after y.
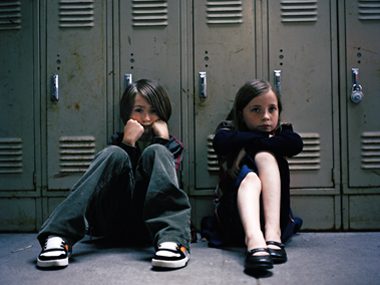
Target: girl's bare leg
x: 271, y: 194
x: 248, y: 200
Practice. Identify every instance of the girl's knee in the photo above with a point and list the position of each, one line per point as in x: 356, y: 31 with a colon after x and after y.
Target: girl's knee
x: 251, y: 179
x: 265, y: 157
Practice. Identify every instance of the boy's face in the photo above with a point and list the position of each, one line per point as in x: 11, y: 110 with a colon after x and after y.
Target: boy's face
x: 143, y: 112
x: 262, y: 113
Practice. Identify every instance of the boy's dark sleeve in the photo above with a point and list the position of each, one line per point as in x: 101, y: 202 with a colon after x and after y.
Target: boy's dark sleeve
x: 133, y: 152
x: 174, y: 146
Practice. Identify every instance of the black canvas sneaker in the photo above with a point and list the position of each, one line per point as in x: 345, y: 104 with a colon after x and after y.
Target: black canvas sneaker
x: 170, y: 255
x: 55, y: 253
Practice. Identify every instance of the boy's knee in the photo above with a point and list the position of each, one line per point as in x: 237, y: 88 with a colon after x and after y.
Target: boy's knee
x: 114, y: 152
x: 157, y: 153
x: 155, y: 149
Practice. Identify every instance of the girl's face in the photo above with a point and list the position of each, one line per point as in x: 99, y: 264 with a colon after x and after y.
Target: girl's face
x: 262, y: 113
x: 143, y: 112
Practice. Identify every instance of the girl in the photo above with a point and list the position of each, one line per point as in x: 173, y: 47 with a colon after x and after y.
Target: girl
x: 256, y: 184
x: 130, y: 191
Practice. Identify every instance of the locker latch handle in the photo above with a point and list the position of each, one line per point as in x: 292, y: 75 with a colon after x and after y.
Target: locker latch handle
x: 127, y: 79
x: 277, y: 80
x: 202, y: 85
x: 356, y: 90
x: 54, y: 95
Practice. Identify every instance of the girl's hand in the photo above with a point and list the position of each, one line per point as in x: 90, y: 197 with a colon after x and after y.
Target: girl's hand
x: 160, y: 129
x: 235, y: 168
x: 133, y: 130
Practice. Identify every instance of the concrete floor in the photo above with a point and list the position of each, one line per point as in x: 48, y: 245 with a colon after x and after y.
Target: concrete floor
x: 314, y: 258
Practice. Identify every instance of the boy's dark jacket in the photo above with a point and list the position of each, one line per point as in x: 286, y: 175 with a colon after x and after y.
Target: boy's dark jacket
x: 172, y: 144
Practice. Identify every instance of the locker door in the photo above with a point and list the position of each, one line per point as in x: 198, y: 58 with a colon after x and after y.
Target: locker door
x: 301, y: 46
x: 224, y: 59
x: 363, y: 124
x: 150, y: 47
x: 17, y: 94
x: 76, y: 65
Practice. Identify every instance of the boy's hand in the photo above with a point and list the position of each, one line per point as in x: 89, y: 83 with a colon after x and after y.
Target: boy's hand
x: 160, y: 129
x: 133, y: 130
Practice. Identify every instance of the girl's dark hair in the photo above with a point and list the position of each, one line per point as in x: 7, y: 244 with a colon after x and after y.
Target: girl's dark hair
x: 245, y: 94
x: 151, y: 91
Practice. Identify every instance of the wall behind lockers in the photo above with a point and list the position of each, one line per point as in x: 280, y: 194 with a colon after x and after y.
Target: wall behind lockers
x: 64, y: 65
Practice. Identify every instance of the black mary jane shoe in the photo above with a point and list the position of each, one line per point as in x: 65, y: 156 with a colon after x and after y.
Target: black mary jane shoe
x: 278, y: 255
x: 258, y: 262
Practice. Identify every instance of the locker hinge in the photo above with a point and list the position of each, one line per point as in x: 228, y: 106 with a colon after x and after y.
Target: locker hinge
x: 333, y: 176
x: 34, y: 179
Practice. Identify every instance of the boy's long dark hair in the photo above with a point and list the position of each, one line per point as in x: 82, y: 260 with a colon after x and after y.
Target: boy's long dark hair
x: 151, y: 91
x: 245, y: 94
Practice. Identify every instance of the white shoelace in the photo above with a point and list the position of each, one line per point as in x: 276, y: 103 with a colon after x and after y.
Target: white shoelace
x: 167, y: 245
x: 54, y: 243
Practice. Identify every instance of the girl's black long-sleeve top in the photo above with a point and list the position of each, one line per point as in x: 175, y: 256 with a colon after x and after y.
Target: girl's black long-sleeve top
x: 285, y: 142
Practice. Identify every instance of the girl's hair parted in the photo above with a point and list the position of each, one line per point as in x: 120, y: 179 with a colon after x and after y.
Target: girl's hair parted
x: 245, y: 94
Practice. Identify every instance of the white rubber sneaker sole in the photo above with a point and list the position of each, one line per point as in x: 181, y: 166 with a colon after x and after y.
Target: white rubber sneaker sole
x: 170, y: 264
x: 53, y: 263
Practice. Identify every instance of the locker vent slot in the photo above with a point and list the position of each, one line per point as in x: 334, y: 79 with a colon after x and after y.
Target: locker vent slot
x: 224, y: 12
x: 369, y: 10
x: 148, y: 13
x: 76, y: 13
x: 11, y: 155
x: 10, y: 15
x: 309, y: 158
x: 299, y: 11
x: 212, y: 158
x: 76, y: 153
x: 371, y: 150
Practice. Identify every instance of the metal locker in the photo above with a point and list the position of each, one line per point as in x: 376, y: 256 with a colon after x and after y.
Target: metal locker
x: 362, y: 76
x: 360, y: 110
x: 76, y: 96
x: 224, y: 59
x: 18, y: 89
x: 19, y: 114
x: 150, y: 47
x: 300, y: 46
